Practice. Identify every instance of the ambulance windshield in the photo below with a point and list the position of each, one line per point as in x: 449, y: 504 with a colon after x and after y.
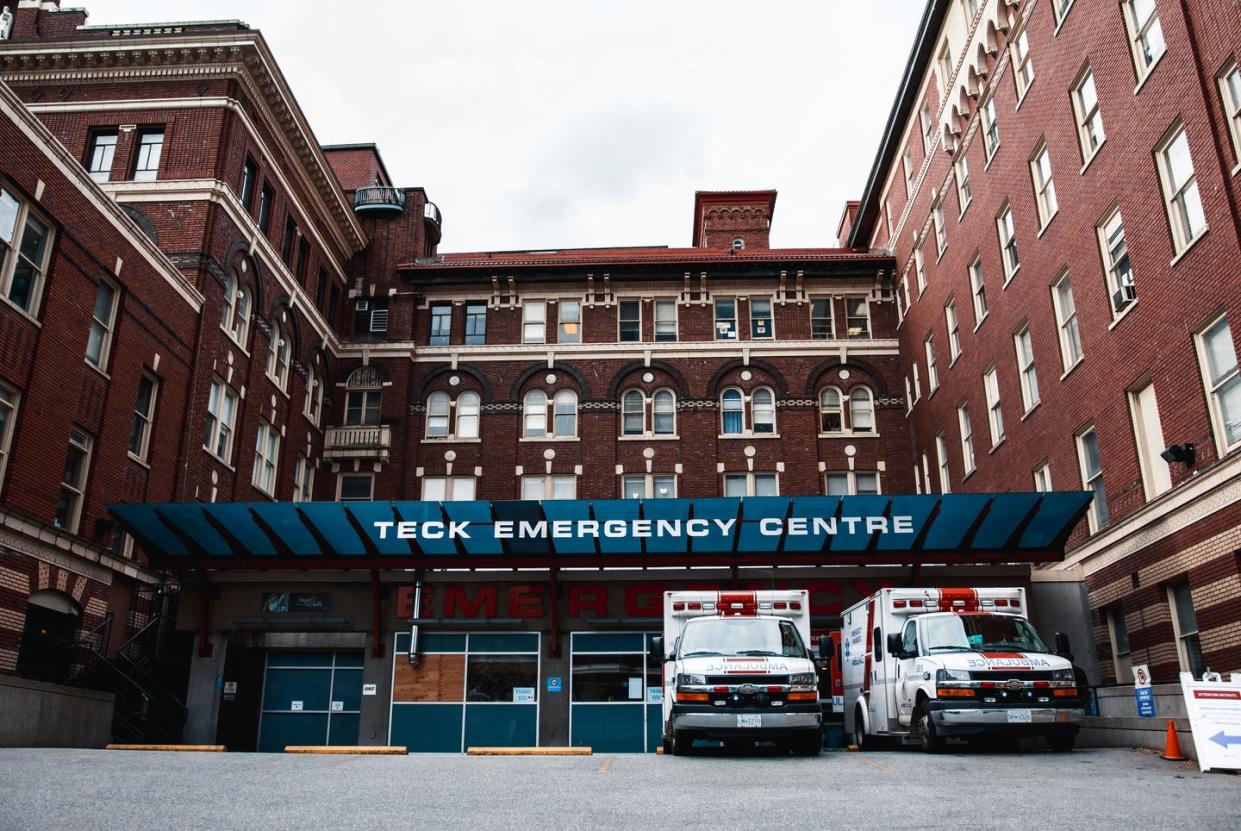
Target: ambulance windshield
x: 754, y: 637
x: 979, y: 633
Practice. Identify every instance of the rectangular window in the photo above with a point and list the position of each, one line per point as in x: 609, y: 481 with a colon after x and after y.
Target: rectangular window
x: 448, y: 488
x: 475, y: 323
x: 441, y: 325
x: 944, y: 63
x: 630, y: 321
x: 9, y: 399
x: 995, y: 417
x: 1024, y: 347
x: 932, y: 370
x: 990, y: 128
x: 362, y: 407
x: 852, y: 483
x: 303, y: 259
x: 321, y: 289
x: 303, y: 480
x: 1148, y: 434
x: 144, y: 415
x: 821, y: 324
x: 266, y: 458
x: 534, y: 321
x: 355, y: 487
x: 665, y: 321
x: 1042, y: 478
x: 954, y: 330
x: 1114, y: 248
x: 725, y: 319
x: 266, y: 199
x: 333, y: 304
x: 221, y: 415
x: 751, y: 484
x: 965, y: 194
x: 150, y: 149
x: 1230, y: 93
x: 928, y: 126
x: 978, y: 287
x: 249, y: 175
x: 1044, y: 185
x: 1145, y: 35
x: 103, y: 322
x: 1066, y: 322
x: 1185, y: 627
x: 917, y: 383
x: 1180, y: 189
x: 25, y: 248
x: 1118, y: 632
x: 548, y: 487
x: 1218, y: 356
x: 73, y: 481
x: 941, y: 229
x: 907, y: 163
x: 286, y: 246
x: 1023, y: 67
x: 761, y: 324
x: 1089, y: 118
x: 101, y: 155
x: 1092, y: 478
x: 570, y: 314
x: 1061, y: 8
x: 941, y: 459
x: 1008, y: 242
x: 967, y: 438
x: 920, y: 270
x: 857, y: 317
x: 650, y: 486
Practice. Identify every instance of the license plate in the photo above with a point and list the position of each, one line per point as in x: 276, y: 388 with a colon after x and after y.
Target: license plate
x: 1019, y: 717
x: 749, y: 721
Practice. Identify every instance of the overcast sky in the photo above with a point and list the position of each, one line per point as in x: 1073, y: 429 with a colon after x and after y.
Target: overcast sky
x: 567, y: 123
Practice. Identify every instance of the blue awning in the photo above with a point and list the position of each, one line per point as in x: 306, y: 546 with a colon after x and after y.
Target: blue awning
x: 800, y: 530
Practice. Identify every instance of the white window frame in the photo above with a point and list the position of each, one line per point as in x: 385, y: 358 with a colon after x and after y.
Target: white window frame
x: 84, y: 443
x: 222, y: 405
x: 770, y: 318
x: 990, y: 128
x: 340, y: 481
x: 279, y: 357
x: 100, y: 169
x: 1091, y: 134
x: 869, y: 332
x: 1229, y: 80
x: 995, y: 412
x: 452, y: 488
x: 954, y: 330
x: 648, y: 481
x: 1117, y: 263
x: 1122, y: 662
x: 851, y: 482
x: 103, y: 328
x: 1006, y: 230
x: 826, y: 411
x: 312, y: 407
x: 1181, y: 634
x: 549, y: 484
x: 1140, y: 37
x: 917, y: 382
x: 676, y: 329
x: 1217, y: 387
x: 148, y: 154
x: 144, y: 421
x: 750, y: 479
x: 303, y: 480
x: 920, y: 270
x: 566, y: 335
x: 1042, y: 478
x: 1099, y: 515
x: 11, y: 256
x: 10, y: 402
x: 1022, y: 64
x: 941, y: 462
x: 867, y: 406
x: 967, y: 438
x: 1060, y: 10
x: 831, y: 317
x: 945, y: 64
x: 550, y: 424
x: 932, y: 368
x: 1068, y: 332
x: 621, y: 303
x: 1043, y: 180
x: 927, y: 121
x: 907, y: 162
x: 1023, y: 347
x: 731, y: 329
x: 978, y: 291
x: 1182, y: 199
x: 266, y: 469
x: 941, y: 228
x: 1148, y: 439
x: 528, y: 321
x: 965, y: 194
x: 235, y: 319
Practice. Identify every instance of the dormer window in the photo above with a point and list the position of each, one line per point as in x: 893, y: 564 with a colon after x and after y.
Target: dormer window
x: 738, y: 244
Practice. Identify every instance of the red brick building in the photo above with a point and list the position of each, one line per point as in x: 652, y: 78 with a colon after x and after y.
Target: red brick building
x: 1058, y: 182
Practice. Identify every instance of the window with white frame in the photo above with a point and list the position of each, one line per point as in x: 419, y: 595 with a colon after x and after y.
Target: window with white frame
x: 857, y: 317
x: 762, y: 325
x: 1008, y: 242
x: 917, y: 478
x: 235, y: 315
x: 762, y: 405
x: 917, y: 382
x: 954, y: 330
x: 1024, y: 348
x: 25, y: 248
x: 453, y: 420
x: 102, y: 154
x: 995, y: 416
x: 978, y: 289
x: 1023, y: 66
x: 1185, y: 628
x: 648, y: 415
x: 751, y: 484
x: 941, y: 461
x: 9, y: 399
x: 965, y: 194
x: 726, y: 318
x: 907, y: 164
x: 363, y: 397
x: 861, y: 410
x: 1066, y: 322
x: 927, y: 119
x: 102, y: 324
x: 144, y: 416
x: 990, y: 128
x: 1118, y: 633
x: 1145, y: 35
x: 1180, y: 189
x: 441, y: 325
x: 920, y: 269
x: 355, y: 487
x: 649, y: 486
x: 1089, y: 119
x: 146, y: 161
x: 822, y: 327
x: 448, y: 488
x: 68, y: 514
x: 221, y: 416
x: 312, y: 407
x: 967, y: 438
x: 932, y: 369
x: 926, y: 472
x: 1060, y: 8
x: 851, y: 483
x: 941, y: 229
x: 266, y: 458
x: 570, y: 314
x: 629, y: 321
x: 665, y: 321
x: 945, y: 66
x: 1092, y: 477
x: 1148, y: 434
x: 554, y: 417
x: 1044, y: 185
x: 1230, y: 93
x: 831, y: 411
x: 303, y: 480
x: 476, y: 323
x: 278, y: 358
x: 534, y: 321
x: 1218, y: 357
x: 1042, y: 478
x: 909, y: 395
x: 549, y: 487
x: 1114, y: 248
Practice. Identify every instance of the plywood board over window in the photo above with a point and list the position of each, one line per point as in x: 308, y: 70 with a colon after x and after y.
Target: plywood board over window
x: 435, y: 678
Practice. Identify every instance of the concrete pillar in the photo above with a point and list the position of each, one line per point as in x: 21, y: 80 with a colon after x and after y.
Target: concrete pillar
x: 373, y: 721
x: 202, y: 699
x: 1060, y: 602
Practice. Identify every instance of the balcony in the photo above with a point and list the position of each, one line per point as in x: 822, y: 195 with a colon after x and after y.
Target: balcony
x: 431, y: 216
x: 379, y: 199
x: 370, y: 441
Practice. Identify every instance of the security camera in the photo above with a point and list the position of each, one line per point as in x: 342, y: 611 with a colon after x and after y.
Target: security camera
x: 1183, y: 453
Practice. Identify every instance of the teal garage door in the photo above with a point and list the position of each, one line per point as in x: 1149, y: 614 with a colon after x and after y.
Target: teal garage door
x: 310, y: 697
x: 615, y: 693
x: 467, y: 690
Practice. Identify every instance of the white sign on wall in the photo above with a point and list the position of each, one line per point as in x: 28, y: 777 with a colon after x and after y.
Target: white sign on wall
x: 1214, y: 709
x: 296, y: 706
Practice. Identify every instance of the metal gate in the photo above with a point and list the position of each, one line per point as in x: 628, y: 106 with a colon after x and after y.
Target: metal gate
x: 310, y: 698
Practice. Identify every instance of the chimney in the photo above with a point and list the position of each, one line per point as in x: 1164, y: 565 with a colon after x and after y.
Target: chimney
x: 733, y: 219
x: 42, y: 20
x: 845, y: 226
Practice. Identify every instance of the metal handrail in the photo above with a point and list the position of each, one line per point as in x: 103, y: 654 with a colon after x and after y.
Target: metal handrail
x: 379, y: 197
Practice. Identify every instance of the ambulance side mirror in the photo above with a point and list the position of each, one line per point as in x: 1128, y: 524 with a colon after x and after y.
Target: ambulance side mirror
x: 656, y: 650
x: 825, y: 648
x: 895, y: 645
x: 1062, y: 646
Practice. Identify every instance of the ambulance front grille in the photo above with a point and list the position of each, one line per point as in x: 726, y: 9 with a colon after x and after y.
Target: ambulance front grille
x: 1008, y: 674
x: 721, y: 680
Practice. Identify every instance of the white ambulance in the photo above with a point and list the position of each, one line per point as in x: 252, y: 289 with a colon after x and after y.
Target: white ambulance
x: 926, y: 664
x: 738, y: 669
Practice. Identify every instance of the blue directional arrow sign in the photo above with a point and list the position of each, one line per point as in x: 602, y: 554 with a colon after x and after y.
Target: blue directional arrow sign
x: 1223, y: 739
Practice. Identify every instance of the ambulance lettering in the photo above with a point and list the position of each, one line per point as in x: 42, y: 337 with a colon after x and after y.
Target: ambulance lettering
x: 1014, y: 661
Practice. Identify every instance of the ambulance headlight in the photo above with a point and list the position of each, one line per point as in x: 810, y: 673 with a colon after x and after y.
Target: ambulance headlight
x: 688, y: 679
x: 803, y: 679
x: 1063, y: 675
x: 951, y: 675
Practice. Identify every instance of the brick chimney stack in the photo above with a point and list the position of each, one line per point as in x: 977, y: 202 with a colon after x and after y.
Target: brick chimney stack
x: 722, y: 218
x: 42, y: 19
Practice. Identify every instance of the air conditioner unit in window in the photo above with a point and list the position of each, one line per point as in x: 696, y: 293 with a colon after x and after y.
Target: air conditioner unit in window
x: 361, y: 305
x: 1123, y: 296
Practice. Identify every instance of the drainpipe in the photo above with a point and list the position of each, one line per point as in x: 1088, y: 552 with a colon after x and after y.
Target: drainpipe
x: 413, y: 627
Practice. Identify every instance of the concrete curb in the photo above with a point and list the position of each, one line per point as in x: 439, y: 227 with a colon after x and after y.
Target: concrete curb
x: 171, y: 748
x: 328, y: 750
x: 529, y: 751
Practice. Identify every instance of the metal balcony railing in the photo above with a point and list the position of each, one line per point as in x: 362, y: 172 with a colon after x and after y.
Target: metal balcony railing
x: 379, y: 199
x: 368, y: 441
x: 431, y: 211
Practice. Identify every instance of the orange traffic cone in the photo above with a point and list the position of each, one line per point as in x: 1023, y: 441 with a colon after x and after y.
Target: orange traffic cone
x: 1172, y: 747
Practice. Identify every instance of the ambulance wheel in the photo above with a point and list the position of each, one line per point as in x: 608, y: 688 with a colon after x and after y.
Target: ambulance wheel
x: 808, y: 745
x: 667, y: 746
x: 924, y: 730
x: 859, y: 730
x: 1062, y: 742
x: 682, y: 743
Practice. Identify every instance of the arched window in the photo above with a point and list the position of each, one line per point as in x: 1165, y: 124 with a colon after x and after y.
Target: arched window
x: 633, y: 413
x: 314, y: 396
x: 438, y: 415
x: 278, y: 358
x: 665, y: 412
x: 763, y: 410
x: 732, y: 407
x: 362, y: 403
x: 46, y: 650
x: 235, y: 315
x: 861, y: 410
x: 534, y: 410
x: 831, y: 411
x: 566, y: 413
x: 467, y: 415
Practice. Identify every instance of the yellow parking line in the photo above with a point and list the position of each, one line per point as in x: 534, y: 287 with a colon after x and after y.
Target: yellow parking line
x: 607, y: 763
x: 879, y: 766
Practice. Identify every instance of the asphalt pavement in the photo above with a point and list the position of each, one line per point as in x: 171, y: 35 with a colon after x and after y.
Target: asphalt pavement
x: 1099, y: 788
